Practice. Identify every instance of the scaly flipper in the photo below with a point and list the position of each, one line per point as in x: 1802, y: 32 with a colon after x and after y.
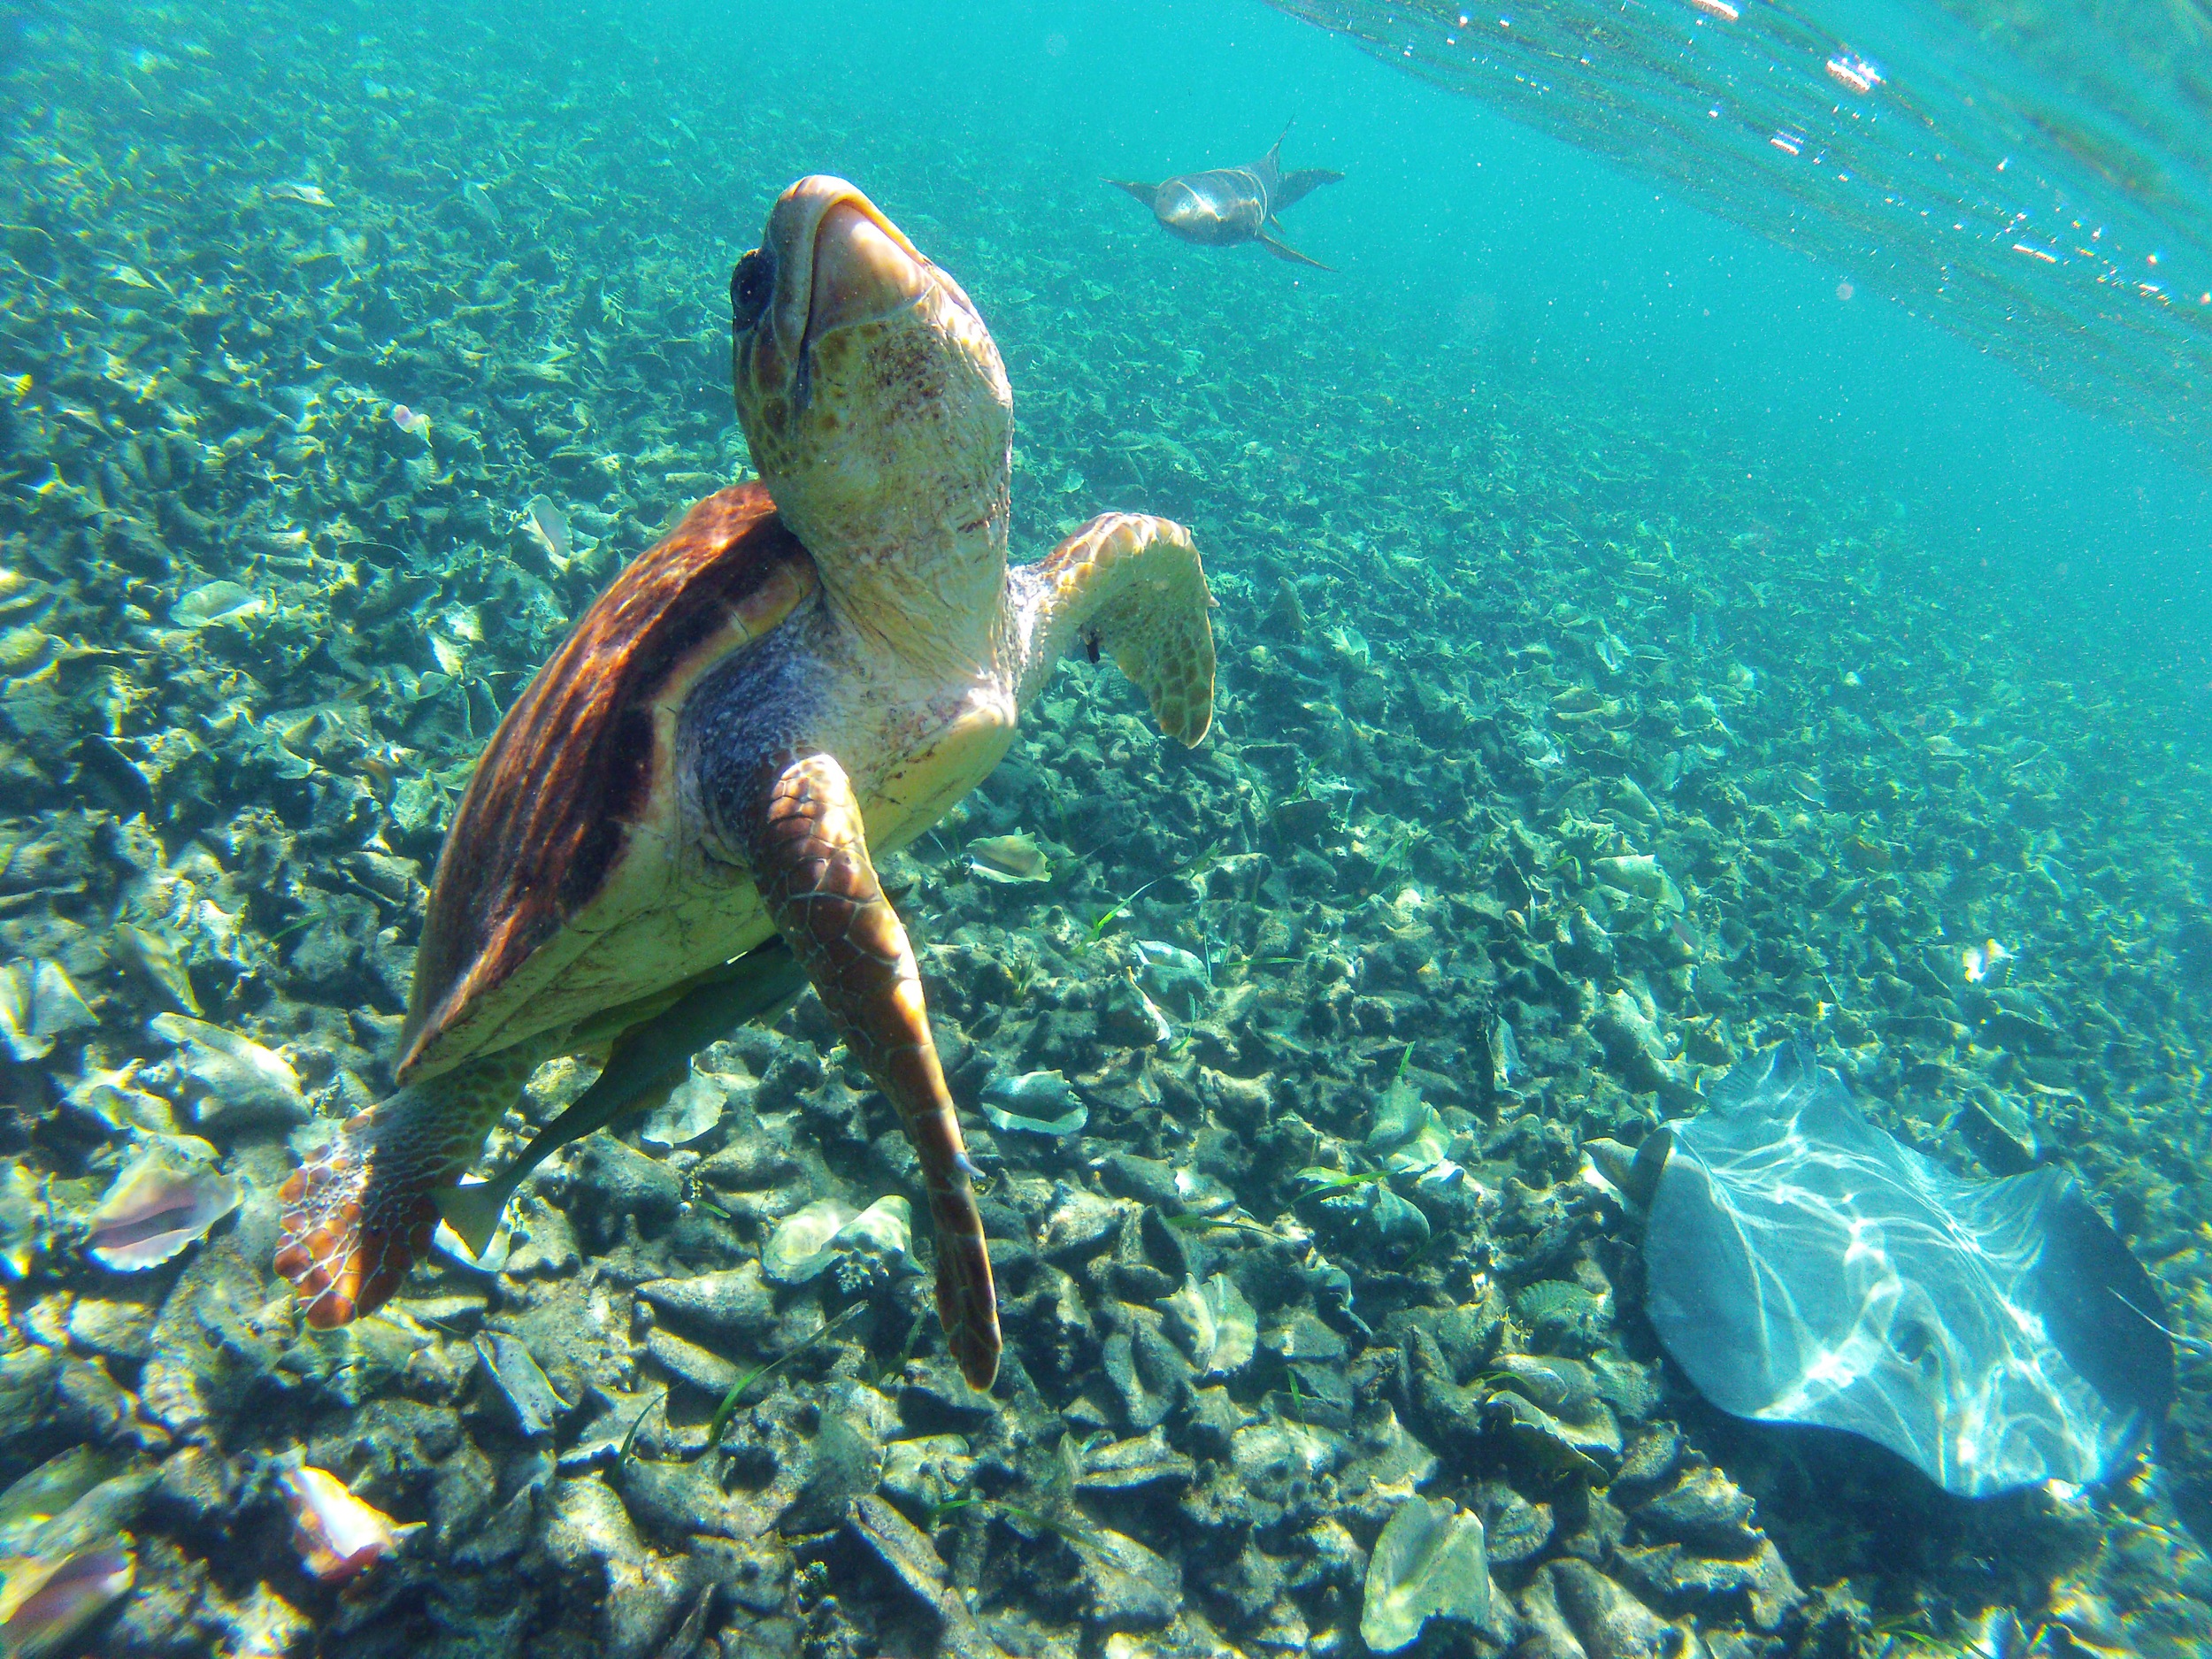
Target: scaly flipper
x: 358, y: 1212
x: 1144, y: 193
x: 1129, y: 584
x: 807, y: 849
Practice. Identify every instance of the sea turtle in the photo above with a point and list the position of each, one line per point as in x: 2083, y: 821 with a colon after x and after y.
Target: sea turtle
x: 1225, y: 205
x: 807, y: 673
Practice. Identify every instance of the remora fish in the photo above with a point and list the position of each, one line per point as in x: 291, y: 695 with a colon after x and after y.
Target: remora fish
x: 1228, y: 206
x: 644, y: 1068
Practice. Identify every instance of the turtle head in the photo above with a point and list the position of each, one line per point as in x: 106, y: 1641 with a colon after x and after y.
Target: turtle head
x: 873, y: 399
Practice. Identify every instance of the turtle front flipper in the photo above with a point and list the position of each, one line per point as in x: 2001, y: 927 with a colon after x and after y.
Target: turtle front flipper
x: 807, y: 849
x: 1130, y: 585
x: 359, y: 1211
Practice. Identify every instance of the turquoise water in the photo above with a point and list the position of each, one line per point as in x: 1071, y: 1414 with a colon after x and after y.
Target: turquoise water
x: 1669, y: 603
x: 1473, y: 240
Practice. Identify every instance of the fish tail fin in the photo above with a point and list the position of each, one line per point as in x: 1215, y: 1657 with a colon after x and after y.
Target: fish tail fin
x: 360, y: 1211
x: 474, y: 1211
x: 1269, y: 168
x: 1296, y: 185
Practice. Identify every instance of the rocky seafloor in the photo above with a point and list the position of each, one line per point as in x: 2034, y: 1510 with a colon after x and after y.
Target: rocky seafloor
x: 1556, y: 765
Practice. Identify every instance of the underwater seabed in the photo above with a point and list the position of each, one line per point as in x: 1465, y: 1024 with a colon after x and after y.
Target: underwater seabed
x: 1557, y: 769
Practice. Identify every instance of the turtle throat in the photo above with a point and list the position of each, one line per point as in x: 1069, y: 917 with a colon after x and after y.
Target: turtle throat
x: 919, y: 588
x: 898, y: 482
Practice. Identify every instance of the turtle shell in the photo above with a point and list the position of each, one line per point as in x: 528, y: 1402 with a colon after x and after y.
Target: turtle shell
x: 563, y: 890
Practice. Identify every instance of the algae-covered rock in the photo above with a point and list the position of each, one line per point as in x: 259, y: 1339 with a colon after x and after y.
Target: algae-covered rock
x: 1129, y: 1587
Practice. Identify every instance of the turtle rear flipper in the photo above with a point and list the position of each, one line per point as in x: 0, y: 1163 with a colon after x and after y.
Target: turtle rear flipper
x: 348, y: 1238
x: 359, y: 1212
x: 1130, y: 585
x: 808, y: 849
x: 1144, y: 193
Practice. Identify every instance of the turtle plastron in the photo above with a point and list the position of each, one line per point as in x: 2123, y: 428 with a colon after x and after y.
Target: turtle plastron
x: 806, y: 844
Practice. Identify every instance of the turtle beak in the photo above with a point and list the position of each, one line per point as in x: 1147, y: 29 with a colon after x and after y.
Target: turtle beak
x: 828, y: 259
x: 864, y: 268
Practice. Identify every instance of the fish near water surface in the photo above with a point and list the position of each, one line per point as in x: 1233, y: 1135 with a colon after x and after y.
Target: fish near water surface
x: 1227, y: 206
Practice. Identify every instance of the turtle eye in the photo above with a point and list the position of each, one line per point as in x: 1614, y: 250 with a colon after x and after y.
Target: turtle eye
x: 751, y: 287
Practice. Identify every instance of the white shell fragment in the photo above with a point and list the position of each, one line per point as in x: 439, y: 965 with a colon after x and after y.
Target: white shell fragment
x: 160, y: 1206
x: 338, y: 1536
x: 1162, y: 1033
x: 692, y: 1109
x: 1430, y: 1563
x: 809, y: 1240
x: 1008, y: 860
x: 1219, y: 1330
x: 548, y: 525
x: 1640, y: 876
x: 23, y: 1213
x: 217, y: 604
x: 1985, y: 963
x: 238, y: 1077
x: 1410, y: 1136
x: 1023, y: 1103
x: 48, y: 1599
x: 38, y: 1006
x: 885, y: 1228
x: 154, y: 954
x: 1173, y: 976
x: 798, y: 1250
x: 497, y: 1248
